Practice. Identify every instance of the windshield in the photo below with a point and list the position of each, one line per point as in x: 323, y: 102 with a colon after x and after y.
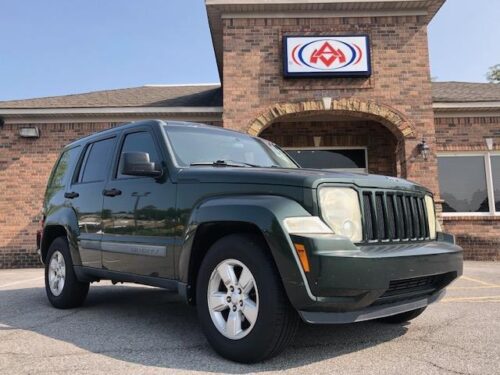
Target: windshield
x: 210, y: 146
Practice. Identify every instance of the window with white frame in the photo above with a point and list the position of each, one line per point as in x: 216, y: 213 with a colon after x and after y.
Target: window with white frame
x: 353, y: 159
x: 470, y: 183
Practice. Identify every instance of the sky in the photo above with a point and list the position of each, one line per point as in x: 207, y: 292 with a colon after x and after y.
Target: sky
x: 57, y: 47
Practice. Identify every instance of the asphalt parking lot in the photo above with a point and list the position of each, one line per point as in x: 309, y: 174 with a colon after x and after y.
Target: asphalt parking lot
x: 126, y: 329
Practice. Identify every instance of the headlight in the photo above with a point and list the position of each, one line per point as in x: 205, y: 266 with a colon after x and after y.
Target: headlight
x: 431, y: 216
x: 340, y: 210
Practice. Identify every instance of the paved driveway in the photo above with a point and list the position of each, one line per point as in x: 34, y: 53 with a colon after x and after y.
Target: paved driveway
x: 139, y: 330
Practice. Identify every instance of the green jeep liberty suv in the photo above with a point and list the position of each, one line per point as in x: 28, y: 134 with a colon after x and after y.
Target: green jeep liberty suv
x: 233, y: 225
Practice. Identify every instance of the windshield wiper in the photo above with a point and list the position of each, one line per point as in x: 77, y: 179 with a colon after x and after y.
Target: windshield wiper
x: 224, y: 163
x: 231, y: 163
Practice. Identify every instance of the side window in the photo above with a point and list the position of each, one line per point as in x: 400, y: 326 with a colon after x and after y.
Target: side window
x: 138, y: 142
x: 96, y: 161
x: 62, y: 170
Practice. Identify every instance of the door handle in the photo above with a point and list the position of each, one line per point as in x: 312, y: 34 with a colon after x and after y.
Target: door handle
x: 111, y: 192
x: 71, y: 195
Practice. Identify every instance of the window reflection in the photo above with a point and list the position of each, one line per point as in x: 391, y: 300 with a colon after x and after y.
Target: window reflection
x: 462, y: 181
x: 330, y: 158
x: 495, y: 170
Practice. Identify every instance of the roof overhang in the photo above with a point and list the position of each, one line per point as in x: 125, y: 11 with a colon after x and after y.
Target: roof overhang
x: 218, y: 10
x: 86, y: 114
x: 466, y: 109
x: 466, y: 105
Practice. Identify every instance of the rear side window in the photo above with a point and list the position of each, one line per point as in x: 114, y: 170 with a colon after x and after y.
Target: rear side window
x: 138, y: 142
x: 63, y: 168
x: 96, y: 160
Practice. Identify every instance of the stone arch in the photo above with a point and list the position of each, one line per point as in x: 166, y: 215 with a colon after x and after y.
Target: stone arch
x: 392, y: 119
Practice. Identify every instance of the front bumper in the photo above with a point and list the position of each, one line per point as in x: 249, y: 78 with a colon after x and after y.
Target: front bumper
x: 349, y: 283
x: 369, y: 313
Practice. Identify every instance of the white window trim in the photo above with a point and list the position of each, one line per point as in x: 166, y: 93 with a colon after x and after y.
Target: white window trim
x: 490, y: 188
x: 364, y: 148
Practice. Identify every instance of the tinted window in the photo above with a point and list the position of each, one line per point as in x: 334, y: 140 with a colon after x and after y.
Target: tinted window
x: 138, y: 142
x: 96, y: 161
x: 193, y: 145
x: 462, y: 181
x: 64, y: 167
x: 329, y: 159
x: 495, y: 170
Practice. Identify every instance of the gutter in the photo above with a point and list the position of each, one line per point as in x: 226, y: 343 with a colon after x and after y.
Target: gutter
x: 466, y: 105
x: 108, y: 110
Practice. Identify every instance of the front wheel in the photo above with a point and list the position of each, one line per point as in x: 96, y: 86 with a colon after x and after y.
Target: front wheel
x: 242, y: 305
x: 63, y: 289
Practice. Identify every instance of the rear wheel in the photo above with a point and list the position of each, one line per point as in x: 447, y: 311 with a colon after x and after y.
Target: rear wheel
x: 63, y: 289
x: 403, y: 317
x: 242, y: 305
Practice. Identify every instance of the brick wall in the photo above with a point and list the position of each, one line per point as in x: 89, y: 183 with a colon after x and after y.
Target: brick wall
x: 380, y: 142
x: 479, y: 236
x: 466, y: 133
x: 253, y: 77
x: 25, y: 165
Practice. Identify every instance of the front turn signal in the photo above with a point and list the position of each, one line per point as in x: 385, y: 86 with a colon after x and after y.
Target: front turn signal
x: 301, y: 252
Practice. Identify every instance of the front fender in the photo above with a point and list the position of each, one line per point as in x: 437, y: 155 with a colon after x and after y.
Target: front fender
x: 267, y: 213
x: 65, y: 217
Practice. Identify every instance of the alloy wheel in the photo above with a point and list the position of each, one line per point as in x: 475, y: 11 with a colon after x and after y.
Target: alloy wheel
x: 57, y: 273
x: 233, y: 299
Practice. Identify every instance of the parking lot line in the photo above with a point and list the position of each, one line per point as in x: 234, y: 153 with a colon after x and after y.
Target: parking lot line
x: 472, y: 299
x: 20, y: 282
x: 472, y: 287
x: 479, y: 281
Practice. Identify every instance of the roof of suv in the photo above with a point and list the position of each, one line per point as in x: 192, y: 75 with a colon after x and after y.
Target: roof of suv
x: 145, y: 123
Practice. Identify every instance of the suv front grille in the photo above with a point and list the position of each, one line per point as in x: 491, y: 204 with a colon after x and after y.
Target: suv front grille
x: 394, y: 216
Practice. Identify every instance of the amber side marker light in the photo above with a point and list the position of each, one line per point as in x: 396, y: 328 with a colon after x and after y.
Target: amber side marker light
x: 301, y: 251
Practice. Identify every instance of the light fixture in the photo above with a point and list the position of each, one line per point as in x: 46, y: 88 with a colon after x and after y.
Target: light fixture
x: 317, y: 141
x: 424, y: 149
x: 33, y: 132
x: 489, y: 143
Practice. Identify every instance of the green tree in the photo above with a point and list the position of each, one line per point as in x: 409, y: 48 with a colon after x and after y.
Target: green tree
x: 494, y: 74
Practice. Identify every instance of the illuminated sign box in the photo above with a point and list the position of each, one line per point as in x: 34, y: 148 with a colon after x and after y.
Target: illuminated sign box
x: 326, y: 56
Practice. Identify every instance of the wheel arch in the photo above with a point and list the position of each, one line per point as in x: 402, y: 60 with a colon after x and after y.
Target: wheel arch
x: 50, y: 233
x: 206, y: 235
x: 260, y: 216
x: 62, y: 223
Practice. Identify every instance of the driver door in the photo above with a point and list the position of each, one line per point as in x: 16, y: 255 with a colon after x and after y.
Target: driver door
x: 139, y: 214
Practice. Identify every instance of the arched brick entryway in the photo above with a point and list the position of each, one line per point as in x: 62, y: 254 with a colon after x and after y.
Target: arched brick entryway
x: 388, y: 116
x: 344, y: 122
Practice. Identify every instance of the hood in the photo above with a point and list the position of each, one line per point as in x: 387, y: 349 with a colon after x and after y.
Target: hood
x: 307, y: 178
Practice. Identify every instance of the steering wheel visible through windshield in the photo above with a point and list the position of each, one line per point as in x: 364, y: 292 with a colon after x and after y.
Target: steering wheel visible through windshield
x: 199, y: 145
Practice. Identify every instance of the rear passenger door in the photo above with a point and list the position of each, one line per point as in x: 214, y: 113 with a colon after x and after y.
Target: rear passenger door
x: 139, y: 215
x: 85, y: 196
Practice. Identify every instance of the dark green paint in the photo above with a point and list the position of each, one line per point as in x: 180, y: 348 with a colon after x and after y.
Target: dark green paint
x: 164, y: 214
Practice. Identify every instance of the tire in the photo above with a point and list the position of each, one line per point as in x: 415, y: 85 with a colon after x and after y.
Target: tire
x: 71, y: 293
x: 403, y: 317
x: 275, y: 321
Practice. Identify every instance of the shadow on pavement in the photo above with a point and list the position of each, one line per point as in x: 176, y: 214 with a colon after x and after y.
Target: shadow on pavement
x: 154, y: 328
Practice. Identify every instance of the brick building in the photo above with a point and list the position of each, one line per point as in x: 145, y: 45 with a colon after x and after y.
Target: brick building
x: 374, y: 121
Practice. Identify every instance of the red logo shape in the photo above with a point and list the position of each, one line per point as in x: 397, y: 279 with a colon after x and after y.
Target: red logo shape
x: 328, y: 55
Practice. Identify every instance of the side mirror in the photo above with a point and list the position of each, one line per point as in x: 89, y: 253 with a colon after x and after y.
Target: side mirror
x: 138, y: 164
